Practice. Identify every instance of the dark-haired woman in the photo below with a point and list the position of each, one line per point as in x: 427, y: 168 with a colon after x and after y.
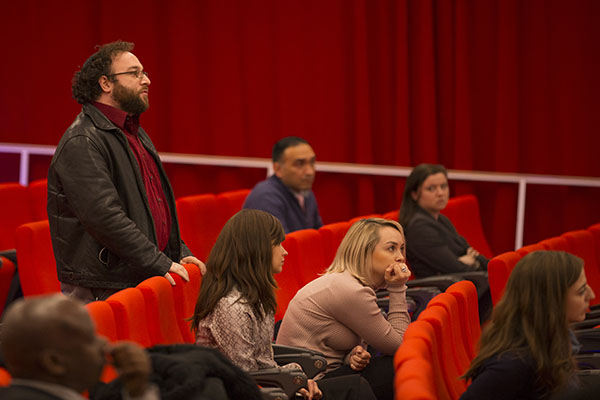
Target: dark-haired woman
x: 236, y: 305
x: 526, y: 351
x: 433, y: 244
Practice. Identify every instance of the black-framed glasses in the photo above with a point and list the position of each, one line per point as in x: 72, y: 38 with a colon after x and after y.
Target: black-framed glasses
x: 137, y: 73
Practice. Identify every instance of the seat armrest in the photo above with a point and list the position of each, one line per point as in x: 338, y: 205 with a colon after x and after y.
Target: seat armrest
x: 442, y: 282
x: 289, y: 380
x: 312, y: 362
x: 588, y: 361
x: 585, y: 324
x: 273, y: 393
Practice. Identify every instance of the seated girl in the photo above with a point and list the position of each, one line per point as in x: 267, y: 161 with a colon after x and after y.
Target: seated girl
x: 337, y: 314
x: 236, y: 305
x: 526, y: 350
x: 434, y: 246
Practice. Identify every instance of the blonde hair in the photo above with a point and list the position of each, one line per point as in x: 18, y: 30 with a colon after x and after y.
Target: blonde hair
x: 355, y: 251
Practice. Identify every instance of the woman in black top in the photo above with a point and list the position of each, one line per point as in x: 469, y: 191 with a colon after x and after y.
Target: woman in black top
x: 526, y: 350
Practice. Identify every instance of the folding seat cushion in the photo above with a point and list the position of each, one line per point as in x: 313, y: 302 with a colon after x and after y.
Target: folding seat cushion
x: 160, y: 311
x: 37, y: 266
x: 463, y: 211
x: 200, y: 221
x: 129, y: 308
x: 305, y: 255
x: 331, y: 236
x: 232, y: 201
x: 37, y: 191
x: 16, y: 211
x: 7, y: 272
x: 499, y: 269
x: 582, y: 245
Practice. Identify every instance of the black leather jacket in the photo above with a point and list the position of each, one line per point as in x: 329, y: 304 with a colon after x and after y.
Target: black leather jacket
x: 102, y: 229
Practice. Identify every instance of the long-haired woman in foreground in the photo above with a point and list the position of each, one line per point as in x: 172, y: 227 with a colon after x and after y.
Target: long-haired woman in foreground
x: 526, y: 350
x: 236, y: 305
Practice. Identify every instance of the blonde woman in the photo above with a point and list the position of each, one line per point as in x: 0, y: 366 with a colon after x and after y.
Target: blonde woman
x: 337, y: 313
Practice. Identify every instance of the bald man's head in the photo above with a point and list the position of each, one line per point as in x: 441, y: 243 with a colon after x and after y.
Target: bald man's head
x: 52, y: 339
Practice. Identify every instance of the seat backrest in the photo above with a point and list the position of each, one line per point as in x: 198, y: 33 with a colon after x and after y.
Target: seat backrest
x: 14, y: 204
x: 200, y: 221
x: 463, y: 211
x: 557, y: 243
x: 7, y: 272
x: 305, y: 255
x: 458, y: 330
x: 355, y: 219
x: 414, y: 380
x: 499, y: 269
x: 393, y: 215
x: 530, y: 248
x: 465, y: 294
x: 232, y: 201
x: 37, y: 191
x: 287, y: 283
x: 104, y: 319
x: 160, y: 311
x: 439, y: 319
x: 595, y: 231
x: 420, y: 343
x: 129, y: 309
x: 582, y: 245
x: 5, y: 377
x: 331, y: 236
x: 37, y: 266
x: 185, y: 295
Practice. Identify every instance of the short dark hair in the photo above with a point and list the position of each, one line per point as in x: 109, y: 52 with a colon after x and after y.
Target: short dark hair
x: 85, y: 86
x: 282, y: 144
x: 415, y: 179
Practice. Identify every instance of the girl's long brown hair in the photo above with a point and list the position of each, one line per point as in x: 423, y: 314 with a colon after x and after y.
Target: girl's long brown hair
x: 530, y: 321
x: 242, y: 257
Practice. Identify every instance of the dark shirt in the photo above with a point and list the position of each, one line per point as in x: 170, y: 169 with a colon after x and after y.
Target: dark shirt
x: 506, y: 377
x: 272, y: 196
x: 148, y: 170
x: 434, y: 246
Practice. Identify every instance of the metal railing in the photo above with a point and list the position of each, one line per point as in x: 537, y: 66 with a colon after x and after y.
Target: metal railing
x: 522, y: 180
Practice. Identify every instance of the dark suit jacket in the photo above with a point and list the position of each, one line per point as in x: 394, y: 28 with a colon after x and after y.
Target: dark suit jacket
x: 433, y: 246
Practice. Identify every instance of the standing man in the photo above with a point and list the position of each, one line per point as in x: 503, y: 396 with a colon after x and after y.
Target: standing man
x: 287, y: 194
x: 111, y: 208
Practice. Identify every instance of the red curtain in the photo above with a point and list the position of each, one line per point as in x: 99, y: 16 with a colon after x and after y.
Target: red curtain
x: 503, y: 85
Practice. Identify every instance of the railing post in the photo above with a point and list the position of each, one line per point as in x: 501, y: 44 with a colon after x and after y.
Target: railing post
x: 520, y: 213
x: 24, y: 168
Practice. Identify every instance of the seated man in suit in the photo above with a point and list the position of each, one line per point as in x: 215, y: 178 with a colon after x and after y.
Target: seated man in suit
x: 52, y: 352
x: 287, y: 194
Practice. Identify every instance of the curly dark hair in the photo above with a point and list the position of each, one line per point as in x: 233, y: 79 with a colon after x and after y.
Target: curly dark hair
x: 85, y: 85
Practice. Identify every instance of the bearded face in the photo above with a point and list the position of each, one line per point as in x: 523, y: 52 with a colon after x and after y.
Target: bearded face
x: 132, y: 101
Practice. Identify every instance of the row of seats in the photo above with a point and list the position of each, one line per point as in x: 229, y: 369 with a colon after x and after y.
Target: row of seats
x: 584, y: 243
x: 439, y: 346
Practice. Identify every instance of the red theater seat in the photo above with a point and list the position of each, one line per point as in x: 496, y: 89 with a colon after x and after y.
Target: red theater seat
x: 331, y: 236
x: 185, y: 295
x: 463, y: 211
x: 14, y: 203
x: 7, y: 272
x: 582, y: 245
x: 37, y: 266
x: 305, y: 255
x: 200, y: 222
x: 37, y: 191
x: 160, y: 311
x: 129, y: 309
x: 557, y: 243
x: 232, y: 201
x: 499, y: 269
